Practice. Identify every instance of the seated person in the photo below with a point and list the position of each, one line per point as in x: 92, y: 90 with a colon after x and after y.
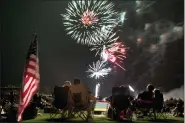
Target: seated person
x: 147, y: 95
x: 67, y: 90
x: 121, y: 98
x: 91, y: 96
x: 158, y: 100
x: 37, y: 100
x: 121, y: 101
x: 178, y: 111
x: 67, y: 84
x: 145, y: 100
x: 92, y: 99
x: 109, y: 99
x: 79, y: 87
x: 11, y: 97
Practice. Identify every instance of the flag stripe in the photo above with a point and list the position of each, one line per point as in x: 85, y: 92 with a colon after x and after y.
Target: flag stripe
x: 26, y: 93
x: 32, y: 75
x: 29, y: 80
x: 34, y: 57
x: 33, y: 65
x: 31, y: 94
x: 32, y: 71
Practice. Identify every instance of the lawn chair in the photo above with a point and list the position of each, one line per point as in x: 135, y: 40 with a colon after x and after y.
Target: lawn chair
x: 92, y: 108
x: 60, y: 104
x: 80, y: 110
x: 120, y: 104
x: 145, y: 108
x: 159, y: 106
x: 153, y: 108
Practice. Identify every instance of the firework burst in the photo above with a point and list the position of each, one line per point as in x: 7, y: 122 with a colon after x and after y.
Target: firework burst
x: 84, y: 18
x: 104, y: 40
x: 98, y: 70
x: 115, y: 54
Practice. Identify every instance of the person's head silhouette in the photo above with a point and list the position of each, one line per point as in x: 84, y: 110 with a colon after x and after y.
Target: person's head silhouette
x: 150, y: 88
x: 67, y: 83
x: 76, y: 81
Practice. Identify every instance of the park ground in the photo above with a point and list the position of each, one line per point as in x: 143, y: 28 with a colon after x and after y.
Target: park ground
x: 101, y: 119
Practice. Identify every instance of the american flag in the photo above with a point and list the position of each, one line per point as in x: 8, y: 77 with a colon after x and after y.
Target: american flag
x: 31, y: 78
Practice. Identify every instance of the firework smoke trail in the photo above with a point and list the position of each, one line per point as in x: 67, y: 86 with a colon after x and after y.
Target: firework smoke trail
x: 84, y: 18
x: 154, y: 42
x: 98, y: 70
x: 97, y: 90
x: 143, y: 6
x: 160, y: 35
x: 158, y: 50
x: 130, y: 87
x: 154, y: 56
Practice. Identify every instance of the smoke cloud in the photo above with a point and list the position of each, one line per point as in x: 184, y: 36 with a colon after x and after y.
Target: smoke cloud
x: 171, y: 33
x: 157, y: 42
x: 175, y: 93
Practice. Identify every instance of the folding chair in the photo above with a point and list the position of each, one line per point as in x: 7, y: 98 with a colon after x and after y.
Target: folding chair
x: 80, y: 110
x: 159, y: 105
x: 121, y: 104
x: 60, y: 104
x: 145, y: 106
x: 159, y: 110
x: 92, y: 109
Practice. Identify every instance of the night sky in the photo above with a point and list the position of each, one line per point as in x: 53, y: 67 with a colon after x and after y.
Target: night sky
x: 61, y: 58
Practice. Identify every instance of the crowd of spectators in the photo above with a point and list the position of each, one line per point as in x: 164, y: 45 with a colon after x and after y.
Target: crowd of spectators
x: 10, y: 96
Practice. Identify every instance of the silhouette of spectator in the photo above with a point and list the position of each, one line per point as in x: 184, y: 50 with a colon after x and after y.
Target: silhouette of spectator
x: 79, y: 87
x: 11, y: 97
x: 37, y: 100
x: 178, y: 111
x: 145, y: 99
x: 148, y: 94
x: 91, y: 96
x: 92, y: 100
x: 67, y: 83
x: 158, y: 100
x: 77, y: 81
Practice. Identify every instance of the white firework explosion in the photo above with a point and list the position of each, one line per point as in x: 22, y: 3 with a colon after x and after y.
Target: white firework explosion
x: 84, y: 18
x: 98, y: 70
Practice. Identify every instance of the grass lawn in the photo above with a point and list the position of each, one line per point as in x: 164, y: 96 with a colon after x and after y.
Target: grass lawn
x: 45, y: 118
